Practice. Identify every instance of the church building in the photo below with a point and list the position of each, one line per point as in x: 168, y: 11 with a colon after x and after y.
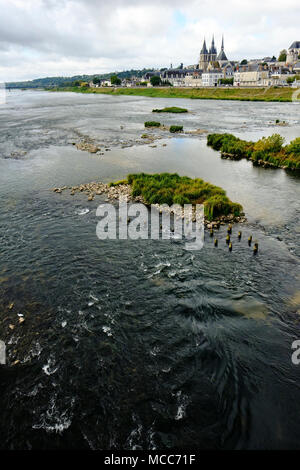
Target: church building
x: 208, y: 58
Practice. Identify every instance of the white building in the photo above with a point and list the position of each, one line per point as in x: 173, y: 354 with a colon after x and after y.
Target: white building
x: 105, y: 83
x: 211, y: 77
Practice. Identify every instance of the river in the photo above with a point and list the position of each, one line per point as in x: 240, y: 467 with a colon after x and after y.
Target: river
x: 143, y: 344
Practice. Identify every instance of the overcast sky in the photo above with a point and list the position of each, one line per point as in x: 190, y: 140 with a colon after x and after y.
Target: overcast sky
x: 40, y: 38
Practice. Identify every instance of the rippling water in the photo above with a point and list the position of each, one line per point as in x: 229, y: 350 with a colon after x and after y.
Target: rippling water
x: 143, y: 345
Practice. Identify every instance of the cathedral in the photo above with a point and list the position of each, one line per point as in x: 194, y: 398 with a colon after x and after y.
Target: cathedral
x: 208, y: 58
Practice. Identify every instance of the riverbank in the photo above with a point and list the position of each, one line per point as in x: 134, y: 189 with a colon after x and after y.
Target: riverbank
x: 241, y: 94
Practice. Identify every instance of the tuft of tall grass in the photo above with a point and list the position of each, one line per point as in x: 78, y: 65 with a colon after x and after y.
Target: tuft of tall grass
x: 170, y: 188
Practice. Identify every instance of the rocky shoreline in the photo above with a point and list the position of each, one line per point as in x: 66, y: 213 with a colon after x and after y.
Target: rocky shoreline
x: 124, y: 191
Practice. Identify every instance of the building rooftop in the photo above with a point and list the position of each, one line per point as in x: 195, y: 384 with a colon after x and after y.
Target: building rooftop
x: 295, y: 45
x: 222, y: 55
x: 212, y: 71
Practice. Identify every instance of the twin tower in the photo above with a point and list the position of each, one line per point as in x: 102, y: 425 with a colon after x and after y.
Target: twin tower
x: 211, y: 56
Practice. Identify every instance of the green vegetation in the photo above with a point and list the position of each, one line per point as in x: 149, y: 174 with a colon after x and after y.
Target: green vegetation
x: 167, y: 188
x: 226, y: 81
x: 155, y: 80
x: 282, y: 56
x: 152, y: 124
x: 269, y: 151
x: 172, y: 109
x: 118, y: 183
x: 96, y: 80
x: 174, y: 129
x: 280, y: 94
x: 292, y: 79
x: 115, y: 80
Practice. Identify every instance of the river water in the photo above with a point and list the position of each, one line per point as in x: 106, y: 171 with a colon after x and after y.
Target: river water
x: 144, y: 345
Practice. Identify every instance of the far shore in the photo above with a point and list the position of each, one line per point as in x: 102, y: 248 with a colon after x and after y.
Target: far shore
x: 277, y: 94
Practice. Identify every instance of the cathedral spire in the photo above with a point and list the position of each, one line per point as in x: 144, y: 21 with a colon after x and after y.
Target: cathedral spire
x: 212, y: 47
x: 204, y: 49
x: 222, y: 55
x: 212, y: 51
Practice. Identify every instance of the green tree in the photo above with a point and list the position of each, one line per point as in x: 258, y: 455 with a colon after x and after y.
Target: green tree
x: 96, y: 80
x: 244, y: 62
x: 226, y: 81
x: 290, y: 79
x: 282, y: 56
x: 115, y: 80
x: 155, y: 80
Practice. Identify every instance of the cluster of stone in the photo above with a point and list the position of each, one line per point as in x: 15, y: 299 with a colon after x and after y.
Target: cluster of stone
x: 96, y: 189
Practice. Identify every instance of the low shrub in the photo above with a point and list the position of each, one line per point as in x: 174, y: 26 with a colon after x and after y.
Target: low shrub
x: 152, y: 124
x: 230, y: 144
x: 174, y: 129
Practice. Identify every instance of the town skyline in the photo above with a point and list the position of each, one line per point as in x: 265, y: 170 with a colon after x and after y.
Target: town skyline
x: 220, y: 56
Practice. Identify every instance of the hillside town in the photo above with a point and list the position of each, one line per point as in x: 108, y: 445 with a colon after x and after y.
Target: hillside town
x: 215, y: 69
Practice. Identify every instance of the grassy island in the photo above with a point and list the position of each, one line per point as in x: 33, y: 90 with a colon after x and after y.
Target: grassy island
x: 268, y: 151
x: 152, y: 124
x: 167, y: 188
x: 172, y: 109
x: 216, y: 93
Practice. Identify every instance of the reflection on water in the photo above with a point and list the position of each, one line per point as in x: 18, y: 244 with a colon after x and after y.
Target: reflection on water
x: 143, y: 345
